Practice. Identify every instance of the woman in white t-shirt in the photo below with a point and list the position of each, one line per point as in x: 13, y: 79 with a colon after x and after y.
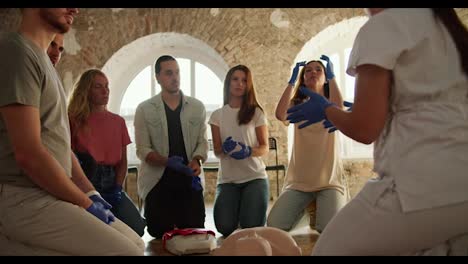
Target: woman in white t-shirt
x: 240, y: 138
x: 411, y: 68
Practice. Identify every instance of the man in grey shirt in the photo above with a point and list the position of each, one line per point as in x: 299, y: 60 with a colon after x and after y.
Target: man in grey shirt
x: 47, y: 205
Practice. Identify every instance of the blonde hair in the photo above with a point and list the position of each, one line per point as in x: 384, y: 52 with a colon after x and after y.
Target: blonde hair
x: 79, y: 107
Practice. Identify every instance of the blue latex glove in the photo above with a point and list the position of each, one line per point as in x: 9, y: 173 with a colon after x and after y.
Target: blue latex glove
x: 196, y: 183
x: 295, y: 72
x: 177, y: 163
x: 349, y: 105
x: 96, y: 198
x: 243, y: 153
x: 329, y: 125
x: 329, y: 74
x: 311, y: 111
x: 229, y: 145
x: 98, y: 210
x: 115, y: 196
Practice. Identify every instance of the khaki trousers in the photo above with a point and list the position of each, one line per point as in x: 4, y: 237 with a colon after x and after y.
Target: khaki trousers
x: 373, y: 223
x: 32, y: 222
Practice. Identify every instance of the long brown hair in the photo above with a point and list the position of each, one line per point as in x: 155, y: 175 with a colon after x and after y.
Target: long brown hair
x: 79, y: 106
x: 249, y: 102
x: 457, y: 30
x: 299, y: 97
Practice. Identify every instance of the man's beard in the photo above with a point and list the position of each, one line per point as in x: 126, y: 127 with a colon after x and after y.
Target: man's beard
x: 173, y: 90
x: 52, y: 20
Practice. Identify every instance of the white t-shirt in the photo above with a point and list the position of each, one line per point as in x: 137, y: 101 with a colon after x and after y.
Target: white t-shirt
x: 424, y: 144
x: 232, y: 170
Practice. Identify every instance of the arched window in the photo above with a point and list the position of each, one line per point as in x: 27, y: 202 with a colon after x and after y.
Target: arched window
x: 132, y: 79
x: 196, y: 80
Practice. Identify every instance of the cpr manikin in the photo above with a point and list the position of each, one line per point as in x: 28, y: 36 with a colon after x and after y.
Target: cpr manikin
x: 258, y: 241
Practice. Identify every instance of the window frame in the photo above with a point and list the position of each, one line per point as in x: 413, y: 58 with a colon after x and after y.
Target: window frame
x: 155, y: 89
x: 333, y: 41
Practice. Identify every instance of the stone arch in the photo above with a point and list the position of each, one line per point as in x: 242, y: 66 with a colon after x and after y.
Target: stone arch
x: 128, y: 61
x: 325, y: 42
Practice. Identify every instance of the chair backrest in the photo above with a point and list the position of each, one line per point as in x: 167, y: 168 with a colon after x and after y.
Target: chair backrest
x: 272, y: 142
x: 133, y: 169
x: 273, y: 146
x: 276, y: 167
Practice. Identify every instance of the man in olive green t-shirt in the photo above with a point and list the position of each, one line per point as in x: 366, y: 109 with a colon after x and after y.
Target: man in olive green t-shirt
x: 47, y: 205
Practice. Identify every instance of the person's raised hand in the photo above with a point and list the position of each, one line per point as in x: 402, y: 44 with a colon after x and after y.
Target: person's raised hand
x: 327, y: 124
x: 329, y: 74
x: 295, y: 72
x: 311, y: 111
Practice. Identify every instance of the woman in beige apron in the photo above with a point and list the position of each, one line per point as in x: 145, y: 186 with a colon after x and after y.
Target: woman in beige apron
x: 315, y: 170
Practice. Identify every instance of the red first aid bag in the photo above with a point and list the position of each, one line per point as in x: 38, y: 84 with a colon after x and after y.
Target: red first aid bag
x: 186, y: 241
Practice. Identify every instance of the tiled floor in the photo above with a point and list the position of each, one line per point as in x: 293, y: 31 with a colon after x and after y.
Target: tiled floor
x: 304, y: 236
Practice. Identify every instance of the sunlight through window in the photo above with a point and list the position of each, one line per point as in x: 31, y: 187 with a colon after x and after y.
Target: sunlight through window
x: 203, y: 85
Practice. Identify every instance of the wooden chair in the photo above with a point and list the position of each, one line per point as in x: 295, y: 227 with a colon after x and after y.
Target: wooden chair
x: 277, y: 167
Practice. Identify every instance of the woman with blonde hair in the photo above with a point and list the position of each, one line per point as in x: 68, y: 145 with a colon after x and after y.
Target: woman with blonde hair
x: 100, y: 139
x: 240, y: 138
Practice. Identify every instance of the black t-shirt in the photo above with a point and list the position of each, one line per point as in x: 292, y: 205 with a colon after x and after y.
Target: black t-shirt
x: 174, y: 129
x: 171, y: 179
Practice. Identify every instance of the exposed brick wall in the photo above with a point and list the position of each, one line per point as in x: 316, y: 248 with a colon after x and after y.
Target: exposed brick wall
x: 241, y: 36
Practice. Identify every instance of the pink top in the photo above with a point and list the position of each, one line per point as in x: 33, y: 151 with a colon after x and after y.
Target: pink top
x: 103, y: 138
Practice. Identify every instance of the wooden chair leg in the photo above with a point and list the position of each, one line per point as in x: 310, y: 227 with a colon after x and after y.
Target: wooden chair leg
x: 312, y: 209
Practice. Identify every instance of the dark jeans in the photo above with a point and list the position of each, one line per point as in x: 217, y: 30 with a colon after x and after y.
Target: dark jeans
x: 104, y: 182
x: 173, y: 203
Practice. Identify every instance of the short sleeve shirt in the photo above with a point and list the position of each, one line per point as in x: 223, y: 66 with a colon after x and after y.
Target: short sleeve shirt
x: 232, y: 170
x: 424, y: 144
x: 28, y: 78
x: 103, y: 138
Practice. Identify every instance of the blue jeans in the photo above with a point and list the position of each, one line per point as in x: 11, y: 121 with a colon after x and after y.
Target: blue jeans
x: 104, y: 181
x: 243, y: 204
x: 290, y: 206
